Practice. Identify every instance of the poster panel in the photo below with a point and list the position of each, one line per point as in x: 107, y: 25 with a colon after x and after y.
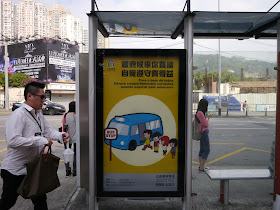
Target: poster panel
x: 45, y: 59
x: 61, y: 59
x: 140, y: 122
x: 27, y: 57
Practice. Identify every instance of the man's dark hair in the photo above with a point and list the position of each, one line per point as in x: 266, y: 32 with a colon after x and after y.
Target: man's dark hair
x: 72, y: 106
x: 33, y: 87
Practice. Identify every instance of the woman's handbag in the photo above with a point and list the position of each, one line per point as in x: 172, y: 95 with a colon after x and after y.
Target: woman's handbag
x: 196, y: 135
x: 41, y: 175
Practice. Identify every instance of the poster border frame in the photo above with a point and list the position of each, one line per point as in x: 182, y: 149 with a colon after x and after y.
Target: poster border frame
x: 100, y: 54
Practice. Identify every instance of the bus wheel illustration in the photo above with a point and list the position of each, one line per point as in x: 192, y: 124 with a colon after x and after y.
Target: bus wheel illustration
x: 132, y: 145
x: 127, y: 27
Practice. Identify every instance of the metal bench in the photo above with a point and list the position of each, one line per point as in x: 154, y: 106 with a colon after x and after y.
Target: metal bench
x: 224, y: 175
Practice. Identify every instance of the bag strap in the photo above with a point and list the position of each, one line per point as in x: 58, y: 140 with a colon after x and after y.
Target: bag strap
x: 63, y: 121
x: 34, y: 119
x: 198, y: 121
x: 49, y: 150
x: 43, y: 149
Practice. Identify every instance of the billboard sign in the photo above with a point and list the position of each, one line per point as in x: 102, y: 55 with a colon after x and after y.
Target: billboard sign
x: 140, y: 102
x: 62, y: 61
x: 47, y: 60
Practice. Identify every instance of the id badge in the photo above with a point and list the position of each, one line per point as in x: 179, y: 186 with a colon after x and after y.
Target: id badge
x: 38, y: 134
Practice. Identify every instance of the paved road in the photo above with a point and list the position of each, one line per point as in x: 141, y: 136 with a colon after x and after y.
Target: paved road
x: 235, y: 142
x: 239, y: 141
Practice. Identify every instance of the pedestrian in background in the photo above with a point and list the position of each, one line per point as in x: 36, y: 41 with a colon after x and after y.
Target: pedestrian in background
x: 27, y: 131
x: 203, y: 127
x: 244, y: 106
x: 70, y: 120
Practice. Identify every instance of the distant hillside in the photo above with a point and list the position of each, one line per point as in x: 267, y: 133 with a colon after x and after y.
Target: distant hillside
x: 253, y: 68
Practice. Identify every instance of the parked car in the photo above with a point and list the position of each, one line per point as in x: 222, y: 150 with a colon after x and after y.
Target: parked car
x: 17, y: 105
x: 49, y: 107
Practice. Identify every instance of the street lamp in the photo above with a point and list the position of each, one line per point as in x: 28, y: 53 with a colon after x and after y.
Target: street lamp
x: 6, y: 40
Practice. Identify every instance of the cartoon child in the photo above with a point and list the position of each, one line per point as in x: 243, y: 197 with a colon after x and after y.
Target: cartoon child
x: 147, y: 135
x: 173, y: 143
x: 156, y: 136
x: 165, y: 142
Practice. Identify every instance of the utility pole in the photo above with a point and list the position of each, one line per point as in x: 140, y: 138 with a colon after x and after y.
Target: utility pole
x: 220, y: 71
x: 6, y: 77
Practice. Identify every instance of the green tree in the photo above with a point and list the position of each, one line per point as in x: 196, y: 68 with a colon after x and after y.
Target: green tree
x: 16, y: 80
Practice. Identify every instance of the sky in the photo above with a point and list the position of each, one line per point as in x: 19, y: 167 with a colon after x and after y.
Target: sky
x: 80, y: 9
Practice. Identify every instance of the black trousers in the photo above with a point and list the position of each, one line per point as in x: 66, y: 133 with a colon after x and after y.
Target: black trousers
x: 9, y: 195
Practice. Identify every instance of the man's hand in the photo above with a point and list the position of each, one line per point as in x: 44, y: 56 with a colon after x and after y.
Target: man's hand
x: 49, y: 142
x: 66, y: 137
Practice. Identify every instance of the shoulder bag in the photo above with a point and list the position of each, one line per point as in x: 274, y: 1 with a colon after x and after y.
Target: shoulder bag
x: 41, y: 176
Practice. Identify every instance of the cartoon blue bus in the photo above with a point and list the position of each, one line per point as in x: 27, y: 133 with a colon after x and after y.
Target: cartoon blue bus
x: 131, y: 127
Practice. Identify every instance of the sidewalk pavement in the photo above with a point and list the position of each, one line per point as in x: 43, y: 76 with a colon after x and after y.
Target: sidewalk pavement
x: 5, y: 112
x: 244, y: 194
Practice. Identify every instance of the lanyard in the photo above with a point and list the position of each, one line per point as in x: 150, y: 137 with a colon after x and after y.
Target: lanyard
x: 34, y: 119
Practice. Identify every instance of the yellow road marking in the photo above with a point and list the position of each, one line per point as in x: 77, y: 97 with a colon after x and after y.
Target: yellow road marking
x: 229, y: 143
x: 195, y: 162
x: 258, y: 150
x: 225, y: 156
x: 3, y: 150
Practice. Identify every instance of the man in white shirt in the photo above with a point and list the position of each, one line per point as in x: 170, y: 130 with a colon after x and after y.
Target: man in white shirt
x: 27, y: 131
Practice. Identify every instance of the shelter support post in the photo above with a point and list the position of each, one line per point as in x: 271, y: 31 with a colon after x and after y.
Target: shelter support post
x: 277, y: 140
x: 93, y: 24
x: 188, y: 31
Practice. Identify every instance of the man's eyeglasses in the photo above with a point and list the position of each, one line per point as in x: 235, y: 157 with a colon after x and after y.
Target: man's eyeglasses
x: 41, y: 96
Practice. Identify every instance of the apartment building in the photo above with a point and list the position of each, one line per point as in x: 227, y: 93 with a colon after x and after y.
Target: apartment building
x: 25, y: 18
x: 40, y: 20
x: 55, y: 16
x: 31, y: 20
x: 8, y: 22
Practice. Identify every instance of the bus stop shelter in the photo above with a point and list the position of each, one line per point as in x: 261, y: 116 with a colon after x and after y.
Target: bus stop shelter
x: 189, y: 25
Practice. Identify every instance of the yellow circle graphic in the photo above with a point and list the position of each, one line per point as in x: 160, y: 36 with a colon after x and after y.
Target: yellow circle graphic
x: 143, y: 104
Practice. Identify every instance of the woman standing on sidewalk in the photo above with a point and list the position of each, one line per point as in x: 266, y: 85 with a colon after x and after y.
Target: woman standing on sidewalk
x: 70, y: 120
x: 203, y: 128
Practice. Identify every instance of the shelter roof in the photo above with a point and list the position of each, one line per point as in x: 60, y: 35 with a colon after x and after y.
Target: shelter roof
x: 237, y: 25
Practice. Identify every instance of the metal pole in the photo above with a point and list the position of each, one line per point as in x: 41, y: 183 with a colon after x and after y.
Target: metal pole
x: 220, y: 70
x: 78, y: 142
x: 93, y: 24
x: 277, y: 140
x: 188, y: 31
x: 6, y: 77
